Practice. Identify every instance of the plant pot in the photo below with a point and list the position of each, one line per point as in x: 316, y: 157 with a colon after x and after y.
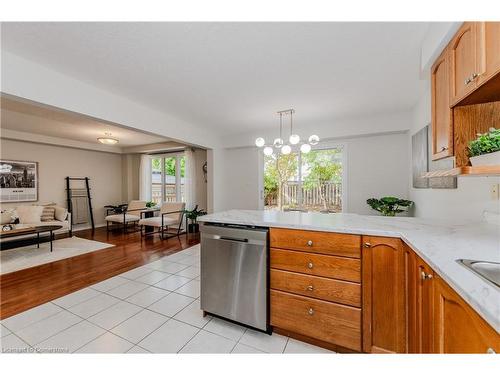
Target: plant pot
x: 492, y: 158
x: 193, y: 228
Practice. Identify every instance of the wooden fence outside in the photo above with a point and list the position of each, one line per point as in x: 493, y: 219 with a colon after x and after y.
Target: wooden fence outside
x: 310, y: 197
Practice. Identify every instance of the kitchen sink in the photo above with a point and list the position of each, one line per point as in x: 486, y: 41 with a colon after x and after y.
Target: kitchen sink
x: 490, y: 271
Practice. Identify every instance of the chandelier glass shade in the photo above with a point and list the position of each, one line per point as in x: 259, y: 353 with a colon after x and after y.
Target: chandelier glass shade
x: 294, y: 140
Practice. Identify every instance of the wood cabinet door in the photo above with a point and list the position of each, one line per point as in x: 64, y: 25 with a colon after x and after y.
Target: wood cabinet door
x: 383, y: 295
x: 424, y: 283
x: 442, y: 114
x: 457, y: 327
x: 465, y: 68
x: 488, y: 46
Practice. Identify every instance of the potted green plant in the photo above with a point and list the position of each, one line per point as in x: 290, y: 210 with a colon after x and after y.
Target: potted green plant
x: 485, y: 149
x: 389, y: 206
x: 192, y: 216
x: 150, y: 204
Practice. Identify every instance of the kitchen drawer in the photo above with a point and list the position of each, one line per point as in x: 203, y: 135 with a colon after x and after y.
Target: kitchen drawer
x: 317, y: 265
x: 317, y: 287
x: 347, y: 245
x: 326, y: 321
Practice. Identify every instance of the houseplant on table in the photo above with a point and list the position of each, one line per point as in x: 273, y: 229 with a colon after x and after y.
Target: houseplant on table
x: 389, y: 206
x: 192, y: 216
x: 485, y: 149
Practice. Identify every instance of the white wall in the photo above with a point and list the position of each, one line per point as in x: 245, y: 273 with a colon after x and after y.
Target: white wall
x: 56, y: 162
x: 468, y: 201
x: 200, y: 186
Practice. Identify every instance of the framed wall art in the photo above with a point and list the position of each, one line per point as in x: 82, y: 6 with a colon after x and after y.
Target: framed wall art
x: 18, y: 181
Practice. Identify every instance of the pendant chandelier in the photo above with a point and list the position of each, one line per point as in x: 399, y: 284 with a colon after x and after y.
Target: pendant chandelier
x: 293, y: 141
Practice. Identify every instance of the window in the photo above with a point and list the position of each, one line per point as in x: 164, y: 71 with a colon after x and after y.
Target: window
x: 305, y: 182
x: 167, y: 179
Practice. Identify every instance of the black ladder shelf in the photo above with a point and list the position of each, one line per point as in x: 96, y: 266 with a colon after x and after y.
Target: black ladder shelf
x: 70, y: 203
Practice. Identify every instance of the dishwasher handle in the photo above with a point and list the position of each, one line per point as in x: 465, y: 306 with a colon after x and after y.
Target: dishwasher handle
x: 233, y: 239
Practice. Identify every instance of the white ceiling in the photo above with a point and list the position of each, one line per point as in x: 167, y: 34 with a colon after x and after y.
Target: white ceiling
x: 233, y: 77
x: 37, y: 119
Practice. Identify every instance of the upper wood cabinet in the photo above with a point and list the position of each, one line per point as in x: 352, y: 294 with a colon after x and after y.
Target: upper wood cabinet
x: 383, y: 286
x: 457, y: 327
x: 442, y: 114
x: 488, y: 34
x: 464, y: 61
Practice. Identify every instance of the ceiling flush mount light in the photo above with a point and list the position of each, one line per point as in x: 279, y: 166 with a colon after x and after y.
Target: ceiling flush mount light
x: 108, y: 139
x: 293, y: 139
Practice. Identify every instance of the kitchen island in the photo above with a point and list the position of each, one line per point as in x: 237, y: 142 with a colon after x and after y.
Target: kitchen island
x: 438, y: 243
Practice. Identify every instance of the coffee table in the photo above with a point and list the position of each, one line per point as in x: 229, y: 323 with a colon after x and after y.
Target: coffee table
x: 33, y: 230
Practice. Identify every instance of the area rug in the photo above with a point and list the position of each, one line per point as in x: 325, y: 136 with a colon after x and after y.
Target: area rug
x: 30, y: 256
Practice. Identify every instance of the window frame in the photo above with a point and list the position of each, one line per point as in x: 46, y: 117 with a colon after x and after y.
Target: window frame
x: 178, y: 181
x: 324, y: 145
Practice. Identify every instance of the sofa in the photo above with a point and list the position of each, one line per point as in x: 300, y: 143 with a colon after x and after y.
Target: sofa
x: 26, y: 216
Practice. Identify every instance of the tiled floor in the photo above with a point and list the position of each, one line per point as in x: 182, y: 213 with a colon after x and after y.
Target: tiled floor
x: 150, y: 309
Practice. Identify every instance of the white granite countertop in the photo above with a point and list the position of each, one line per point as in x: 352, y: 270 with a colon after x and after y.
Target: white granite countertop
x: 438, y: 242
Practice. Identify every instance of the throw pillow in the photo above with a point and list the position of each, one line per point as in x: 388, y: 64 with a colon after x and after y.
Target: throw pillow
x: 6, y: 217
x: 61, y: 213
x: 29, y: 214
x: 48, y: 213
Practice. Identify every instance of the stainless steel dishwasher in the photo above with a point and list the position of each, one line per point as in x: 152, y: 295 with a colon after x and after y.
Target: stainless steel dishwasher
x: 234, y: 273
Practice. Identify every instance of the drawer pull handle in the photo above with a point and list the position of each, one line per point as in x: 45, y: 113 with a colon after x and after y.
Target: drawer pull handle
x: 310, y: 288
x: 309, y: 243
x: 310, y: 265
x: 311, y: 311
x: 367, y: 244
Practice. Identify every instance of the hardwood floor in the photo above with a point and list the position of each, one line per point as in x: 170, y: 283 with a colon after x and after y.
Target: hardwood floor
x: 22, y: 290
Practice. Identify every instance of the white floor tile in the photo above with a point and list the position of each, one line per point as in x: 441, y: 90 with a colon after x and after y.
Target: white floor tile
x: 93, y: 305
x: 42, y: 330
x: 147, y: 296
x: 190, y: 289
x: 297, y: 347
x: 245, y: 349
x: 169, y: 267
x: 190, y: 272
x: 4, y: 331
x: 189, y: 260
x: 226, y: 329
x: 114, y: 315
x: 139, y: 326
x: 107, y: 343
x: 156, y: 265
x: 110, y: 283
x: 13, y: 344
x: 73, y: 338
x: 206, y: 342
x: 153, y: 277
x: 138, y: 350
x: 193, y: 315
x: 126, y: 290
x: 77, y: 297
x: 169, y: 338
x: 267, y: 343
x: 176, y: 257
x: 24, y: 319
x: 171, y: 304
x: 172, y: 283
x: 135, y: 273
x: 193, y: 250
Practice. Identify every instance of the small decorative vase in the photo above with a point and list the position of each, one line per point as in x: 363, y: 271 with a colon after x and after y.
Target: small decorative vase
x: 493, y: 158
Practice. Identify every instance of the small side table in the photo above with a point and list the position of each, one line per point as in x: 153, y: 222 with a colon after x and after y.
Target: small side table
x: 44, y: 229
